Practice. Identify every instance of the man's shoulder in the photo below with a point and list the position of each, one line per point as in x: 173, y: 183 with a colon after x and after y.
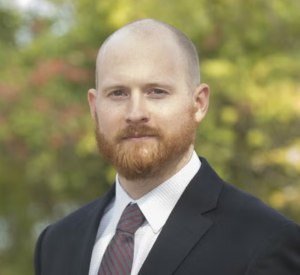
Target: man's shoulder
x: 245, y: 234
x: 70, y: 235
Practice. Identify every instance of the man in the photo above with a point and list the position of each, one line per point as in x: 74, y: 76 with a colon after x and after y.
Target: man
x: 168, y: 211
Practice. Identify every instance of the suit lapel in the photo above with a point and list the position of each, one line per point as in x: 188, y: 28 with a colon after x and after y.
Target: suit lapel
x: 86, y: 233
x: 186, y: 224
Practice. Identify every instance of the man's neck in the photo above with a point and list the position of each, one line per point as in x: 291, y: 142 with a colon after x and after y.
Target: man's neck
x: 138, y: 188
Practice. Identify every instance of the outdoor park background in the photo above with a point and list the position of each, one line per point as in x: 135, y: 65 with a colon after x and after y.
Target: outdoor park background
x: 49, y: 165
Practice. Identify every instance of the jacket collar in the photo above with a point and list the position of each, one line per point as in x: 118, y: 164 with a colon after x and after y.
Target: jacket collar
x: 186, y: 224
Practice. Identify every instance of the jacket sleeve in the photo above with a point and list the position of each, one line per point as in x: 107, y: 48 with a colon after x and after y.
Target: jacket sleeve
x: 38, y: 253
x: 279, y: 254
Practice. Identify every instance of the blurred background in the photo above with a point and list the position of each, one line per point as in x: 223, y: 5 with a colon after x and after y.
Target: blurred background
x: 49, y: 165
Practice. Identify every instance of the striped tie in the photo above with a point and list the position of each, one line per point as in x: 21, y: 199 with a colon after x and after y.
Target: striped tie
x: 118, y: 257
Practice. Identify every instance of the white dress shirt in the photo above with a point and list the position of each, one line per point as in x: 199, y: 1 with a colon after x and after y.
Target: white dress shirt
x: 156, y: 206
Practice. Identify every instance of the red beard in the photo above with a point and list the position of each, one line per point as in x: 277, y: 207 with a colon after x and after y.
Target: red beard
x: 145, y: 158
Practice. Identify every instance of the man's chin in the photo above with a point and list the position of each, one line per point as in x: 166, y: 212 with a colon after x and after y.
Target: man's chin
x: 139, y: 146
x: 138, y: 161
x: 139, y: 152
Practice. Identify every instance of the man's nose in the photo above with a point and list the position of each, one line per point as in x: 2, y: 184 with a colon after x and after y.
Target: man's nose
x: 137, y: 110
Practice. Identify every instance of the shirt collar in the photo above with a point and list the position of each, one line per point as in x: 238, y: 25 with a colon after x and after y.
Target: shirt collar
x: 158, y: 204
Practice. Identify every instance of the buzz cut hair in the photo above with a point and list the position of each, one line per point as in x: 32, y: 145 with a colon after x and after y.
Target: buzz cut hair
x: 148, y: 26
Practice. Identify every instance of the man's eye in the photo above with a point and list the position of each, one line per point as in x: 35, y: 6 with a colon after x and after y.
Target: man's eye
x: 117, y: 93
x: 158, y: 91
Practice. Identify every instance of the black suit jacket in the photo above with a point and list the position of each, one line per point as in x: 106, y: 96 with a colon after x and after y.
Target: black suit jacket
x: 214, y: 229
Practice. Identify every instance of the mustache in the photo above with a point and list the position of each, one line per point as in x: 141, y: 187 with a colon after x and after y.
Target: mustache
x: 137, y: 131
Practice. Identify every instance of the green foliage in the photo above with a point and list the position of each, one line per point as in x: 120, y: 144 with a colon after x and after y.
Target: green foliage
x: 49, y: 165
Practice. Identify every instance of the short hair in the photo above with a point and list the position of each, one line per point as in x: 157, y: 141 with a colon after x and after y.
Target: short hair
x: 145, y: 27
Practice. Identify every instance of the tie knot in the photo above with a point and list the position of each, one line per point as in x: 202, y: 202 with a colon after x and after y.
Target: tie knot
x: 131, y: 219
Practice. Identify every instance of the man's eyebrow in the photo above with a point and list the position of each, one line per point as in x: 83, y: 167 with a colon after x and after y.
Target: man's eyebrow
x: 158, y: 84
x: 144, y: 86
x: 112, y: 87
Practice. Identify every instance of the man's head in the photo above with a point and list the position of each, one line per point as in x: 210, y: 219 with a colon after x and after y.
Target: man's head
x: 148, y: 101
x: 149, y: 28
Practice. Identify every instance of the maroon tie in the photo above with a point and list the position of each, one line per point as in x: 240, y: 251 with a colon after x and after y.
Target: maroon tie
x: 118, y: 257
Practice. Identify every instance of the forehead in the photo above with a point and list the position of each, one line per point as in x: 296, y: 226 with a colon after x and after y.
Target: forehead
x: 150, y: 56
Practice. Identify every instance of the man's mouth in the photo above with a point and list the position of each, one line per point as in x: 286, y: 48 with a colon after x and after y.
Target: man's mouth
x: 138, y: 137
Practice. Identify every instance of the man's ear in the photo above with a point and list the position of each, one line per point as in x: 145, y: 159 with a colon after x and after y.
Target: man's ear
x: 92, y: 98
x: 201, y: 99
